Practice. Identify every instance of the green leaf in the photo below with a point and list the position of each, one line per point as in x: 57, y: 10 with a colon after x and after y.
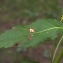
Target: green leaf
x: 44, y: 29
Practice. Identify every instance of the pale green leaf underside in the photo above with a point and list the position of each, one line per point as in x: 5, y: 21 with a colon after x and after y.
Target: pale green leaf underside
x: 44, y: 29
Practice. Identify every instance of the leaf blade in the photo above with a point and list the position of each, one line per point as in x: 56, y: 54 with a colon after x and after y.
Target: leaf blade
x: 44, y: 29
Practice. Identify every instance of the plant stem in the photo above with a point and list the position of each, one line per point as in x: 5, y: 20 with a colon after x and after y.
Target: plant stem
x: 52, y: 51
x: 56, y: 49
x: 59, y: 56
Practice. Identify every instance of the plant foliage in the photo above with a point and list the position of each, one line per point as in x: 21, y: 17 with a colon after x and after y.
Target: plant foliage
x: 44, y: 29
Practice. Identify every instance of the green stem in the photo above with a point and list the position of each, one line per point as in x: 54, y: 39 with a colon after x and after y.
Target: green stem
x: 56, y: 49
x: 59, y: 56
x: 52, y: 51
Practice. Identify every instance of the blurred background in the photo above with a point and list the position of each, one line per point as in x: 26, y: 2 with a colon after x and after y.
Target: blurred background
x: 24, y: 12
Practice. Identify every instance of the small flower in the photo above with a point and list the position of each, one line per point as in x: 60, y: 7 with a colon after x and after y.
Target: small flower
x: 61, y: 18
x: 31, y: 30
